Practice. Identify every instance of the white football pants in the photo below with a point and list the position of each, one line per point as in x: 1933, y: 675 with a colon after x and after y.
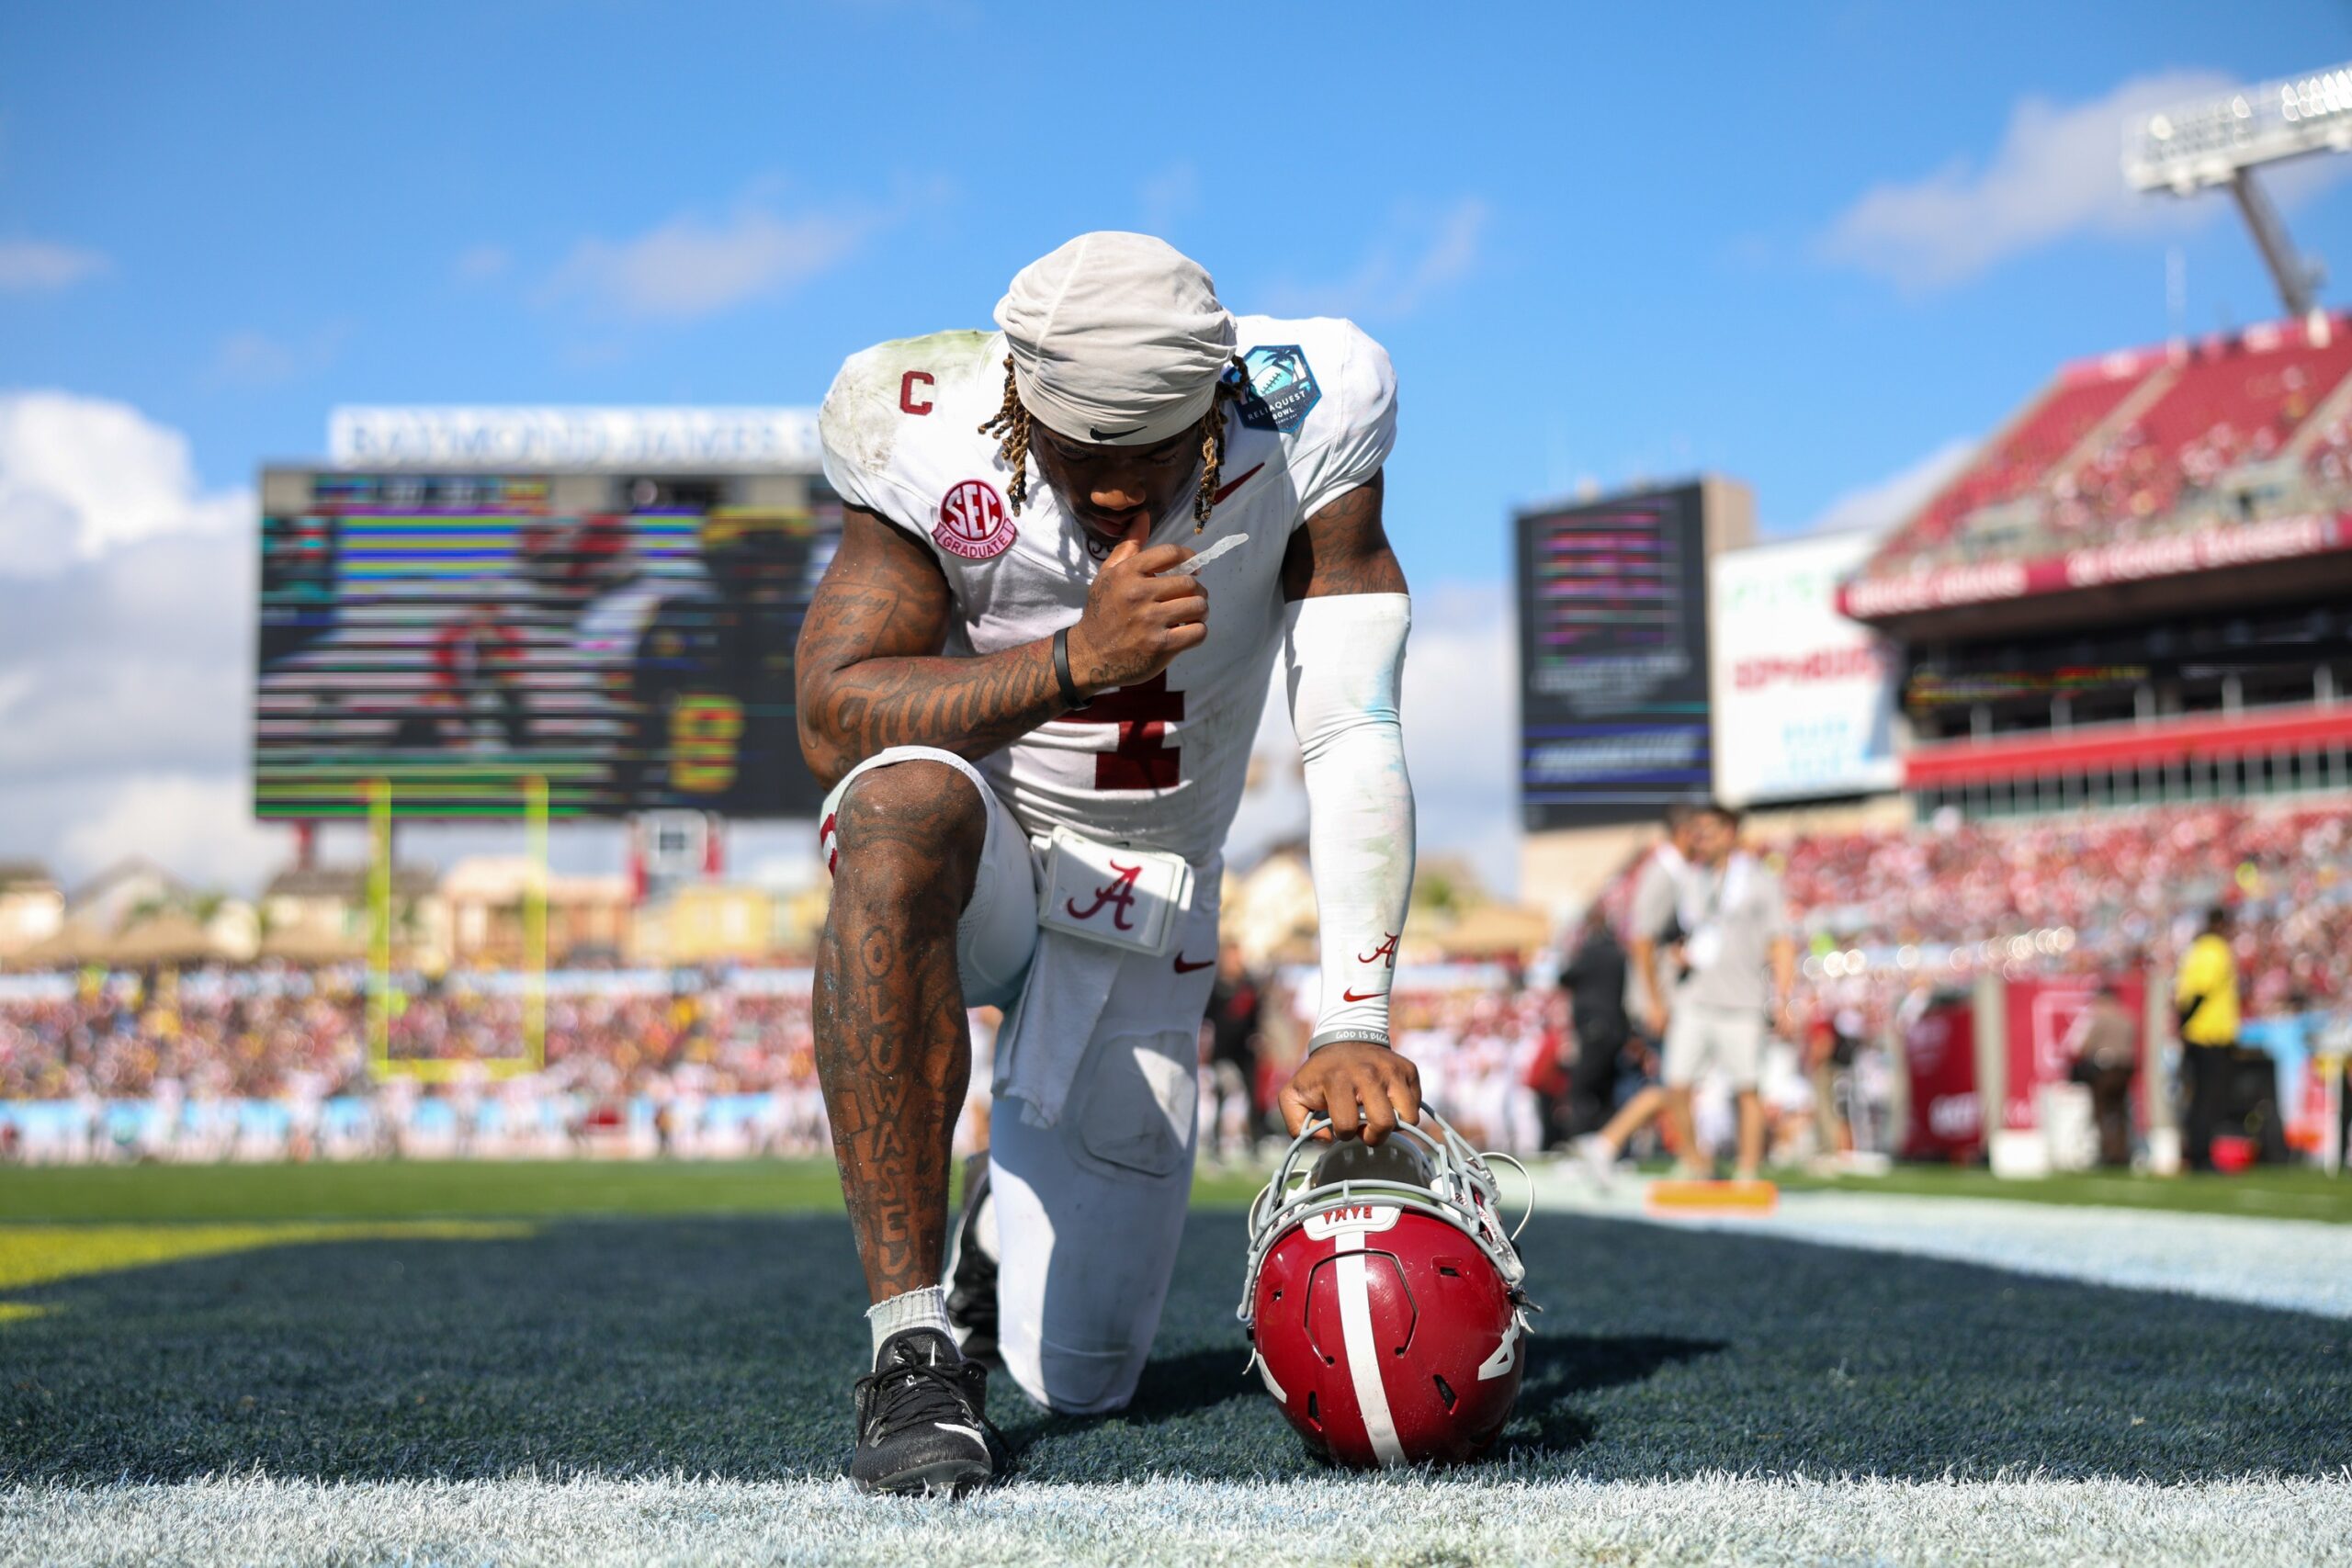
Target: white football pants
x: 1087, y: 1212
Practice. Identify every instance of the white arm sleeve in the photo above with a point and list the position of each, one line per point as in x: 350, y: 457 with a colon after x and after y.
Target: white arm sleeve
x: 1344, y: 658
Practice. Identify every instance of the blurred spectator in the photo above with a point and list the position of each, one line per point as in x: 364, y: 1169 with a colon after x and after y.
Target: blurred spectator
x: 1598, y: 1153
x: 1546, y: 1072
x: 2106, y: 1047
x: 1236, y: 1005
x: 1832, y: 1043
x: 1652, y: 925
x: 2205, y: 995
x: 1595, y: 979
x: 1654, y: 938
x: 1739, y: 957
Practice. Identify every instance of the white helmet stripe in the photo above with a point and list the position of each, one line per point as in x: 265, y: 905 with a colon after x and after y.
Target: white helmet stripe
x: 1364, y: 1360
x: 1266, y: 1373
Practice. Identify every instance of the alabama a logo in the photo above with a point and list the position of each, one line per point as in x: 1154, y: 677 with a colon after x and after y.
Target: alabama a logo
x: 973, y: 522
x: 1119, y: 894
x: 1281, y: 387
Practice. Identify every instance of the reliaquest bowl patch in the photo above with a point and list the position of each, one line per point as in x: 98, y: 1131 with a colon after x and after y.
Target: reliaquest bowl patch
x: 1281, y: 387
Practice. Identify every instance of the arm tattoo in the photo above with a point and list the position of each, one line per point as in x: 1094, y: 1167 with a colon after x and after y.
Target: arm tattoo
x: 869, y: 669
x: 1343, y: 550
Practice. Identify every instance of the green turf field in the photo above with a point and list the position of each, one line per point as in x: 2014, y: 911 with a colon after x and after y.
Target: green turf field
x: 451, y: 1189
x: 456, y: 1189
x: 2271, y: 1192
x: 431, y: 1321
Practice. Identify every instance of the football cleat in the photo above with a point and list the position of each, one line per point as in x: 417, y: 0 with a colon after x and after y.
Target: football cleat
x: 972, y: 1267
x: 922, y: 1426
x: 1384, y: 1297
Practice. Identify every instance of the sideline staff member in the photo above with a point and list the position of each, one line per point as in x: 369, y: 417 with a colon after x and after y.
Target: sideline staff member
x: 2205, y: 996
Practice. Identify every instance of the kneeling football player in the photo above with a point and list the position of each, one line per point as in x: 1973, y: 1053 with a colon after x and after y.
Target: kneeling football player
x: 1071, y: 550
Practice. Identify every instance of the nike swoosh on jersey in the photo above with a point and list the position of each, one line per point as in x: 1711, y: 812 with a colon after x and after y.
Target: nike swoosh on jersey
x: 967, y: 1431
x: 1184, y: 968
x: 1217, y: 496
x: 1352, y: 997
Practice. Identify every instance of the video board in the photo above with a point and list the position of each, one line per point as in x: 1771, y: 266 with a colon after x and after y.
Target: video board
x: 1613, y: 631
x: 629, y: 640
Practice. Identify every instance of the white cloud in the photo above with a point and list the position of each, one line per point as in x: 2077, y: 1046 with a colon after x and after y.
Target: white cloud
x: 1421, y: 255
x: 480, y: 264
x: 254, y: 359
x: 80, y: 476
x: 125, y: 598
x: 691, y: 266
x: 31, y: 267
x: 257, y: 359
x: 199, y: 827
x: 2058, y: 171
x: 1460, y: 708
x: 137, y: 660
x: 1168, y: 196
x: 1884, y: 502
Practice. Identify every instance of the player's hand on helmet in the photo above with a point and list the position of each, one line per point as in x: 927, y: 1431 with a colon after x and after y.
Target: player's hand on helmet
x: 1137, y: 618
x: 1367, y: 1089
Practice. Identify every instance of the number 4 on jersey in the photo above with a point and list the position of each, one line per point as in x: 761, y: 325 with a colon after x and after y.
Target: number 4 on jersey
x: 1143, y: 758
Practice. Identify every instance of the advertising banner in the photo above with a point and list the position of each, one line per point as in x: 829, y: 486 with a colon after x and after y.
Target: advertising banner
x: 2046, y: 1015
x: 2129, y: 560
x: 1803, y: 699
x: 1940, y: 1054
x: 692, y: 440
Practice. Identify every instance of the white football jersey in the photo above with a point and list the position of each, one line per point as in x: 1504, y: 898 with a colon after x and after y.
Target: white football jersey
x: 1159, y: 764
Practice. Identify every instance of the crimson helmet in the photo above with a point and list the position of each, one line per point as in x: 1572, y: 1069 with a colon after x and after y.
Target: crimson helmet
x: 1383, y: 1298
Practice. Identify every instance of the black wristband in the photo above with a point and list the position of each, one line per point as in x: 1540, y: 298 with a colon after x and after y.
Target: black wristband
x: 1068, y: 684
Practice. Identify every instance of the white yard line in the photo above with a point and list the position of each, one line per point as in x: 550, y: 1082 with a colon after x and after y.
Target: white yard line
x: 2299, y: 1264
x: 1704, y: 1520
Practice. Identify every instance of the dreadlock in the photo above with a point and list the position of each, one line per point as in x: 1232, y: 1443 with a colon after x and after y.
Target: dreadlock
x: 1010, y: 422
x: 1229, y: 388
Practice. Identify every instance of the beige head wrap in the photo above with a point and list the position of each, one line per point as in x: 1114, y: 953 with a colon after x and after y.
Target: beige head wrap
x: 1116, y: 339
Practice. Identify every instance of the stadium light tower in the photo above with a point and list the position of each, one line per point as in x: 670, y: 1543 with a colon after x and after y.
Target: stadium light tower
x: 2221, y: 141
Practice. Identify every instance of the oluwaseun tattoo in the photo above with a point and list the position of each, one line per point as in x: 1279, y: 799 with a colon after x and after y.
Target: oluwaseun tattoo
x: 1343, y: 550
x: 869, y: 674
x: 893, y: 1050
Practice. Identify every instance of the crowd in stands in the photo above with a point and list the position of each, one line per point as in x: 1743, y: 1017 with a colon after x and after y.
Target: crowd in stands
x: 206, y: 1035
x: 1885, y: 916
x: 217, y: 1038
x: 2013, y: 463
x: 2158, y: 468
x: 2110, y: 890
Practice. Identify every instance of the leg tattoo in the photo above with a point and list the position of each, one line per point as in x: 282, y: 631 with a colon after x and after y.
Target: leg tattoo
x: 894, y: 1050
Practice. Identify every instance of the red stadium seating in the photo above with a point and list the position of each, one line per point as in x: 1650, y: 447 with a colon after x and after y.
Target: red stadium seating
x: 2016, y: 461
x: 2211, y: 409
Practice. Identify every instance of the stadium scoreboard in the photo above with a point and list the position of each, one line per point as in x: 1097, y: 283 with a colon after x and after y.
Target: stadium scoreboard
x: 1612, y: 632
x: 625, y: 635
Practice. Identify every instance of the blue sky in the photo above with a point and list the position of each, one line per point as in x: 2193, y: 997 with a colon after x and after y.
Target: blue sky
x: 1810, y: 246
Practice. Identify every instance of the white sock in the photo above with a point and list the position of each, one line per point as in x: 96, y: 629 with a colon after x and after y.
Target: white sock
x: 926, y: 1308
